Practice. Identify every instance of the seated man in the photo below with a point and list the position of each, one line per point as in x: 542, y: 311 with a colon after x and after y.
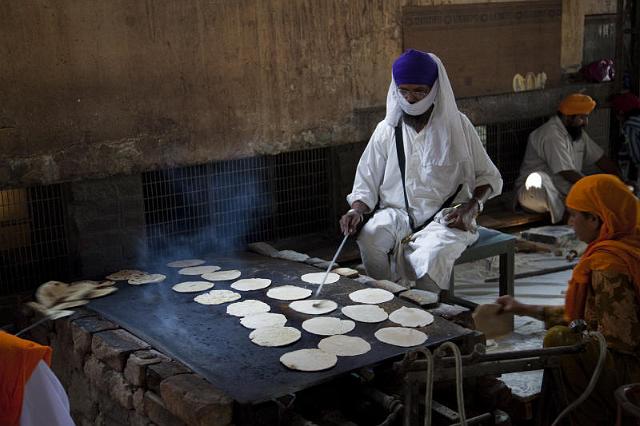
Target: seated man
x: 30, y: 394
x: 423, y: 157
x: 557, y: 153
x: 604, y: 291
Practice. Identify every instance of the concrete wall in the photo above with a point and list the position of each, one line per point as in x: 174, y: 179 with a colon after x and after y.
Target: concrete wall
x: 97, y: 88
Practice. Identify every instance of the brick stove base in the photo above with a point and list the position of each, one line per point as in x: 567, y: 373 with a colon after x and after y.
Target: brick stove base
x: 114, y: 378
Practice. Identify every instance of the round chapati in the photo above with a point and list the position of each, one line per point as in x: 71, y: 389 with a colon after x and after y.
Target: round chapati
x: 125, y: 275
x: 96, y: 284
x: 400, y: 336
x: 288, y: 292
x: 216, y: 297
x: 198, y: 270
x: 186, y: 263
x: 365, y: 313
x: 411, y: 317
x: 308, y: 360
x: 147, y: 279
x: 67, y: 305
x: 51, y: 292
x: 328, y: 326
x: 316, y: 278
x: 274, y: 336
x: 100, y: 292
x: 247, y: 307
x: 371, y: 296
x: 249, y: 284
x: 222, y: 275
x: 344, y: 345
x: 306, y: 306
x: 267, y: 319
x: 192, y: 286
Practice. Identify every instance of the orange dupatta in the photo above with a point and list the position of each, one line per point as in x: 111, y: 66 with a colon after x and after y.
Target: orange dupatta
x: 617, y: 247
x: 18, y: 359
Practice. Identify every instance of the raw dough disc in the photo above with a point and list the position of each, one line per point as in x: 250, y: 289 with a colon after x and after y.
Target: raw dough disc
x: 346, y: 272
x: 267, y: 319
x: 216, y: 297
x: 400, y: 336
x: 308, y: 360
x: 198, y: 270
x: 371, y: 296
x: 222, y: 275
x: 328, y: 326
x: 187, y: 263
x: 490, y: 320
x: 274, y: 336
x: 147, y: 279
x: 288, y: 292
x: 249, y: 284
x: 365, y: 313
x: 306, y: 306
x: 344, y: 345
x: 49, y: 293
x: 247, y: 307
x: 192, y: 286
x: 99, y: 292
x: 67, y: 305
x: 125, y: 274
x: 316, y: 278
x: 411, y: 317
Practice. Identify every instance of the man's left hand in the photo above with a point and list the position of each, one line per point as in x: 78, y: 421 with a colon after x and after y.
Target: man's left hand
x: 463, y: 216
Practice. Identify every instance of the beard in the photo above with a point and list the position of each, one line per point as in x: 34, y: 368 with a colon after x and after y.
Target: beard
x: 575, y: 132
x: 418, y: 122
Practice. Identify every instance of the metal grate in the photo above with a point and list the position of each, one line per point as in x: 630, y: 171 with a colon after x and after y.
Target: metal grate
x: 33, y: 238
x: 506, y: 144
x: 225, y: 205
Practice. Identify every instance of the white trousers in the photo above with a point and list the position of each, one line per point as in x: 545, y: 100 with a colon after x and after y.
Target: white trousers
x: 430, y: 253
x: 540, y: 195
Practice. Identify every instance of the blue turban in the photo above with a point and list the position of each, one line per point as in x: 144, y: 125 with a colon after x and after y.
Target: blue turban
x: 415, y: 67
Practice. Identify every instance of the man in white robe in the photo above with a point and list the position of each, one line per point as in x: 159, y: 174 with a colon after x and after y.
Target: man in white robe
x: 443, y: 153
x: 556, y: 155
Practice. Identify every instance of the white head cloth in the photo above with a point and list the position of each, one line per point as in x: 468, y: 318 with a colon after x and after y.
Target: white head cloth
x: 447, y: 143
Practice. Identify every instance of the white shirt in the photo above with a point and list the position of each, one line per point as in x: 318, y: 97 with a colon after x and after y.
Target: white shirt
x: 551, y: 150
x: 428, y: 185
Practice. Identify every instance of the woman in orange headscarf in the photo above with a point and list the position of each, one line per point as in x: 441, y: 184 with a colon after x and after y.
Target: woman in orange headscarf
x: 604, y: 290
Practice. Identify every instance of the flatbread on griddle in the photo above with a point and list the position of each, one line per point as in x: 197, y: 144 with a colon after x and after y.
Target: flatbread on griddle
x: 249, y: 284
x: 371, y: 296
x: 222, y: 275
x: 309, y: 360
x: 247, y: 307
x: 216, y: 297
x: 342, y: 345
x: 125, y: 275
x: 316, y: 277
x: 306, y: 306
x: 187, y: 263
x: 192, y: 286
x: 100, y: 292
x: 274, y: 336
x: 198, y: 270
x: 401, y: 336
x: 79, y: 291
x: 147, y: 279
x: 288, y: 292
x: 328, y: 326
x: 411, y: 317
x: 365, y: 313
x: 51, y: 292
x: 267, y: 319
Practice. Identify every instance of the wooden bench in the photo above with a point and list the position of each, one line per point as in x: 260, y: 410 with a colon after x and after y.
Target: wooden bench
x: 490, y: 243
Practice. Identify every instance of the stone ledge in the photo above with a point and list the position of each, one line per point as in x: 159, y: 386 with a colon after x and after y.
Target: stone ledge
x: 156, y: 373
x: 136, y: 369
x: 114, y: 346
x: 82, y: 331
x: 157, y: 411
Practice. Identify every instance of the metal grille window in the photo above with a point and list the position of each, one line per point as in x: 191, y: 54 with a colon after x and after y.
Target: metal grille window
x: 33, y: 238
x: 224, y: 205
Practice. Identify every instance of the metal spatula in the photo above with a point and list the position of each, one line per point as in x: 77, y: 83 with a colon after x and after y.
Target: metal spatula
x: 324, y: 278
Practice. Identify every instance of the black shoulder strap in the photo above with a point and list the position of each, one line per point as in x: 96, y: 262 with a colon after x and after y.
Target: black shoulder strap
x: 401, y: 162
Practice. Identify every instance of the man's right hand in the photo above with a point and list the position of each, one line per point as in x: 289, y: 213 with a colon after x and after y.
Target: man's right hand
x: 350, y: 220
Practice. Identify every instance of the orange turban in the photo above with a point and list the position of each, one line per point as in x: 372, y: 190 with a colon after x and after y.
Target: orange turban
x: 18, y: 359
x: 617, y: 247
x: 577, y: 104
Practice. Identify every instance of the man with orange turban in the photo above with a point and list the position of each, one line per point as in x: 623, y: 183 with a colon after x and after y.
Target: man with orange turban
x: 30, y: 394
x: 604, y: 290
x: 557, y: 153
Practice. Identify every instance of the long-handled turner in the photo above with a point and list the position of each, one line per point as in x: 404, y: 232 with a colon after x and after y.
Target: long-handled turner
x: 324, y: 278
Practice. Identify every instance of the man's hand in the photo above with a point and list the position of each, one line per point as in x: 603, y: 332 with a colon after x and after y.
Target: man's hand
x: 511, y: 305
x: 463, y: 216
x: 350, y: 220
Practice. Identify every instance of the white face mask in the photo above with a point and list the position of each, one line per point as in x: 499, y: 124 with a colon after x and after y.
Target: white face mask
x: 420, y: 107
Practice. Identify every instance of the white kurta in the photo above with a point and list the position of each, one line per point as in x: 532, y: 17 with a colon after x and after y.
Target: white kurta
x: 378, y: 182
x: 45, y: 401
x: 550, y: 150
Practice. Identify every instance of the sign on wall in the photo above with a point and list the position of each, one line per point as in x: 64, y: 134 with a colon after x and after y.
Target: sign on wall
x: 492, y: 48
